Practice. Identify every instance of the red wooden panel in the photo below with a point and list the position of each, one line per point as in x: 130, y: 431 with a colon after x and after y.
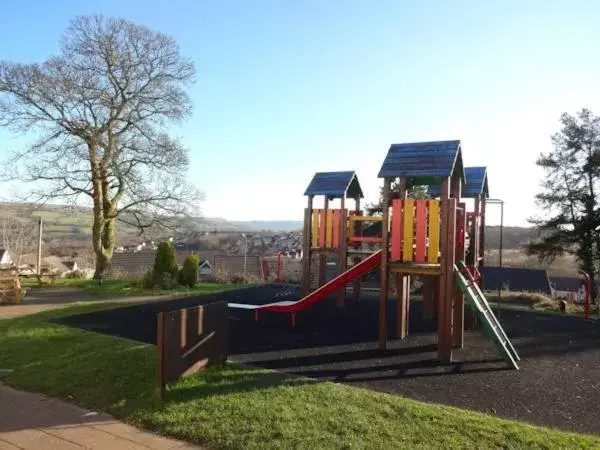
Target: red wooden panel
x: 420, y: 230
x: 322, y: 227
x: 396, y: 237
x: 336, y: 228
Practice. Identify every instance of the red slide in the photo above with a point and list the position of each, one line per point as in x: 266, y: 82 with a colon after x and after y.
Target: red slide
x: 328, y: 288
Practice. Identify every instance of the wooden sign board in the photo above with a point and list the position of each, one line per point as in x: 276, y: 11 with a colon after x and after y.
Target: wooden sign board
x: 189, y: 340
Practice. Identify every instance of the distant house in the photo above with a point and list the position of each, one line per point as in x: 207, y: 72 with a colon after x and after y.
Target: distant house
x: 5, y: 259
x: 50, y: 264
x: 137, y: 264
x: 205, y: 270
x: 233, y: 266
x: 54, y: 264
x: 71, y: 265
x: 569, y: 288
x: 131, y: 265
x: 516, y: 279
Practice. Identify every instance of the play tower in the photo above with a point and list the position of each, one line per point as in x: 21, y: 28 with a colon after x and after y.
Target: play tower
x: 425, y: 237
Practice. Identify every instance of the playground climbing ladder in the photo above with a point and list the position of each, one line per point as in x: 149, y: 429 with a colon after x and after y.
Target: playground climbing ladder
x: 477, y: 300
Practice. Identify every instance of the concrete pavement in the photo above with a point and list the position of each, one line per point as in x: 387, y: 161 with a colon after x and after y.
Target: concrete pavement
x: 33, y: 421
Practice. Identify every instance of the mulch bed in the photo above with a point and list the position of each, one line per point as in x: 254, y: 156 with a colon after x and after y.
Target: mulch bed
x: 558, y: 384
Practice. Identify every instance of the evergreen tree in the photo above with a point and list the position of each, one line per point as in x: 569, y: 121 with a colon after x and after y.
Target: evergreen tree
x: 374, y: 209
x: 165, y: 261
x: 569, y: 195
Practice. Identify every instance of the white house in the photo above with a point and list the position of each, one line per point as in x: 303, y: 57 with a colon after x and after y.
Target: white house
x: 5, y: 259
x: 204, y: 269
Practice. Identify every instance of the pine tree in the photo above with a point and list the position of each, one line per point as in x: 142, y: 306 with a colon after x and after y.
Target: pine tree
x: 374, y: 209
x: 569, y: 196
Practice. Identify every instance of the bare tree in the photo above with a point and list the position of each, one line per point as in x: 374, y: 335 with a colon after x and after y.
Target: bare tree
x: 18, y: 236
x: 101, y: 110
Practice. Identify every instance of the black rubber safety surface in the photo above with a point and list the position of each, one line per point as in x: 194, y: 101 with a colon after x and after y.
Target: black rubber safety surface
x: 558, y: 384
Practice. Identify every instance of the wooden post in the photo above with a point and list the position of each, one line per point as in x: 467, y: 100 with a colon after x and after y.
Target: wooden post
x: 445, y: 352
x: 323, y: 256
x: 476, y: 231
x: 403, y: 302
x: 160, y: 369
x: 470, y: 316
x: 402, y: 287
x: 384, y: 282
x: 356, y: 260
x: 443, y: 320
x: 307, y: 242
x: 480, y: 258
x: 342, y: 250
x: 458, y: 333
x: 39, y: 249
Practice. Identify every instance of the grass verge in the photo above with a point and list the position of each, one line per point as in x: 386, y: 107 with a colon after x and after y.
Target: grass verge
x: 237, y: 407
x: 536, y: 302
x: 112, y: 288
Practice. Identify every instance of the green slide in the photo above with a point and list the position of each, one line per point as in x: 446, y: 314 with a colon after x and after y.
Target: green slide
x: 480, y: 305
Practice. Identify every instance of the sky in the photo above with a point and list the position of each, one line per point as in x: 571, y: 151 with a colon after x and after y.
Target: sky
x: 286, y: 89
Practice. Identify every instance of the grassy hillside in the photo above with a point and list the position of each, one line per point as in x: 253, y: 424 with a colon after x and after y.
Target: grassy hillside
x: 75, y: 223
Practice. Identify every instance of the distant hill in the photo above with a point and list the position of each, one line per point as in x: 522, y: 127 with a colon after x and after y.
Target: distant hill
x: 512, y: 237
x: 271, y: 225
x: 68, y: 222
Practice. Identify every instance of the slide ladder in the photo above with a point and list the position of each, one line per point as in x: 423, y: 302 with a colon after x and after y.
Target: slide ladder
x: 481, y: 306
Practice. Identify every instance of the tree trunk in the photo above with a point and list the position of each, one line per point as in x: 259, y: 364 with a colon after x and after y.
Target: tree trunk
x: 104, y: 237
x: 102, y: 263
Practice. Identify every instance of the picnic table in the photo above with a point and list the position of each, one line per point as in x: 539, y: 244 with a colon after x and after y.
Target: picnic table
x: 11, y: 291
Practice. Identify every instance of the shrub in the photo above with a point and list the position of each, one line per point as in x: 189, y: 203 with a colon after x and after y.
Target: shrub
x: 148, y: 280
x: 188, y: 276
x: 165, y: 261
x: 164, y: 273
x: 76, y: 275
x: 238, y: 279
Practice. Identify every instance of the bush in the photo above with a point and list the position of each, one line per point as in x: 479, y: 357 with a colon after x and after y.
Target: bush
x: 188, y: 276
x: 238, y: 279
x: 76, y: 275
x: 165, y: 261
x: 164, y: 273
x: 148, y: 280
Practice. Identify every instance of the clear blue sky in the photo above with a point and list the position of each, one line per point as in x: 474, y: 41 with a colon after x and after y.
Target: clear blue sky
x: 286, y: 89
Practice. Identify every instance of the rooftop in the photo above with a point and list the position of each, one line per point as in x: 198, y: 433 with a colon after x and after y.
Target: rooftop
x: 423, y: 163
x: 335, y: 185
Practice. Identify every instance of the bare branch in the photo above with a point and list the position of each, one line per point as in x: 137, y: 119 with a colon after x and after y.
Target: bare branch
x: 101, y: 110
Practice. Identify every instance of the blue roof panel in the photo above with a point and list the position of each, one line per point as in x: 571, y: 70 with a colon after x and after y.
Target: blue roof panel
x: 476, y: 184
x: 335, y: 184
x: 421, y: 159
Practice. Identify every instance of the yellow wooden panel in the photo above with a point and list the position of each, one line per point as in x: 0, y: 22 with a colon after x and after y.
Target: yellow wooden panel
x: 367, y: 218
x: 434, y: 231
x: 315, y: 228
x: 350, y: 230
x: 329, y: 229
x: 409, y: 226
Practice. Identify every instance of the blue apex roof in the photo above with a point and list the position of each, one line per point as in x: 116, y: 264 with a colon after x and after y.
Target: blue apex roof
x: 335, y: 185
x: 423, y: 160
x: 477, y: 184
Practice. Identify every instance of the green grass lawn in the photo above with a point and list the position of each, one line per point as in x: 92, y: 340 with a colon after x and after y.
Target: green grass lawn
x: 238, y: 407
x: 112, y: 288
x: 536, y: 302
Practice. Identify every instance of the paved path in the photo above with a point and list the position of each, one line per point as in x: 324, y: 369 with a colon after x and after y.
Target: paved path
x: 47, y: 298
x: 32, y: 421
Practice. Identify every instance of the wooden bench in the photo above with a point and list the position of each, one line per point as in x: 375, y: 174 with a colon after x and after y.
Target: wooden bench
x: 10, y: 286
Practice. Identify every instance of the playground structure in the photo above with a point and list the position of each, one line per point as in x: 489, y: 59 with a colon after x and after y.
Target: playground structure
x: 418, y: 236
